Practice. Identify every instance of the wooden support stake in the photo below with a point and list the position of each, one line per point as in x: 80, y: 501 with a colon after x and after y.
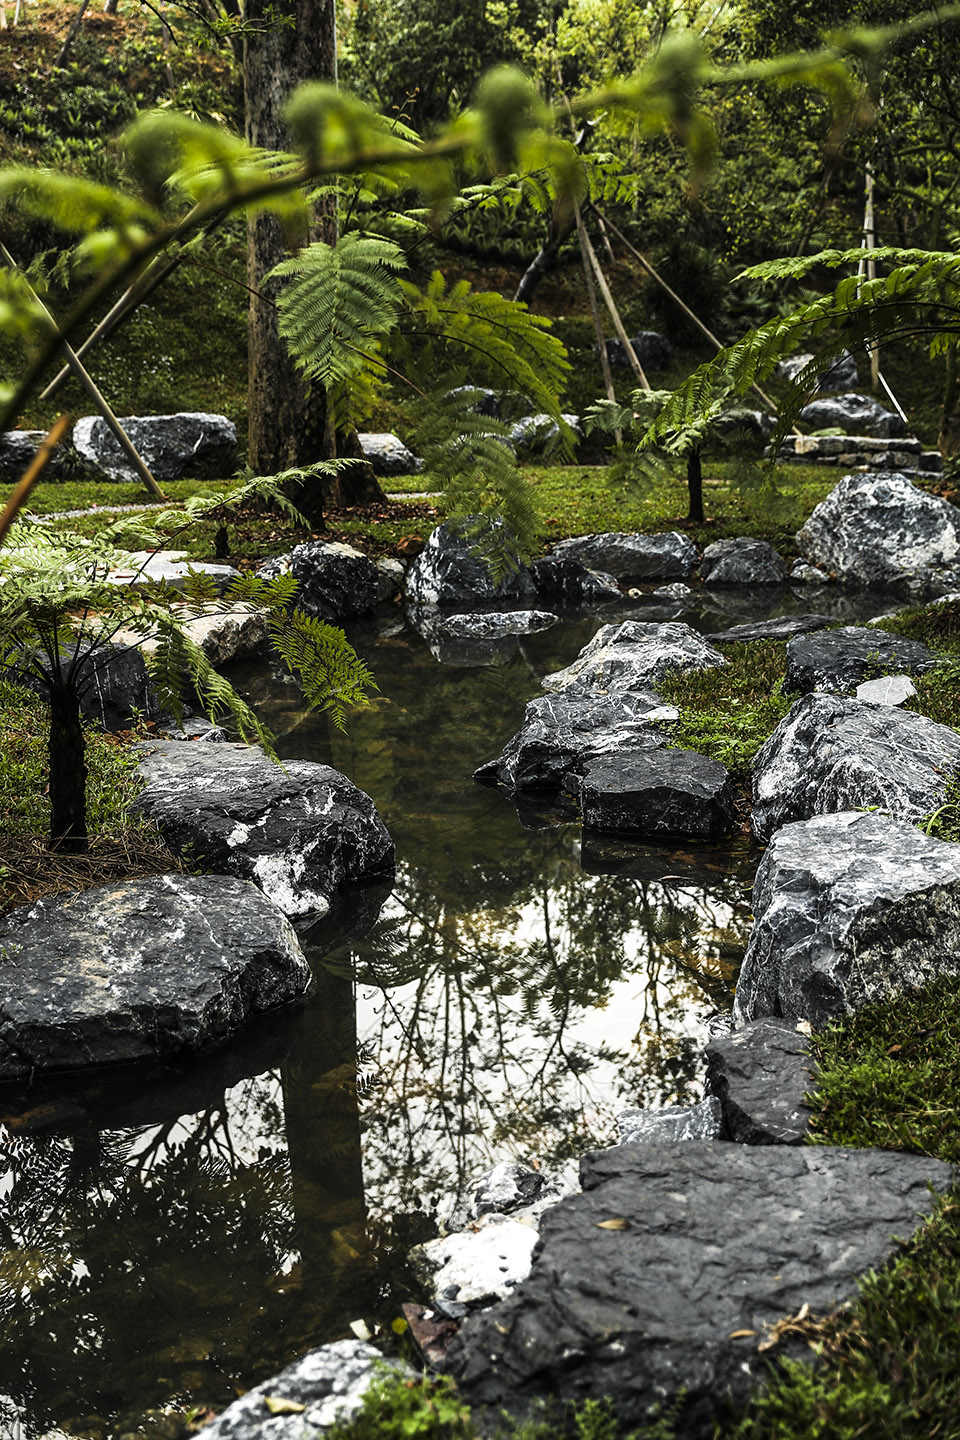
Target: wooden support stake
x: 32, y: 474
x: 624, y: 339
x: 597, y: 323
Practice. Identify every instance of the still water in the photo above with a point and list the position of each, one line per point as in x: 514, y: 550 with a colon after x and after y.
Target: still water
x: 171, y: 1238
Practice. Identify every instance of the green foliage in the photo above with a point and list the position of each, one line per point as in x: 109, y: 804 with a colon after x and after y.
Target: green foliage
x: 728, y: 712
x: 400, y: 1409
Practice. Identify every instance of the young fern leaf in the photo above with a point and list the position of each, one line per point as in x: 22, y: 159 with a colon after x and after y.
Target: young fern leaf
x: 330, y: 672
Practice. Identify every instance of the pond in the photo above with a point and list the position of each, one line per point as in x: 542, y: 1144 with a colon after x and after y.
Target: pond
x: 171, y: 1238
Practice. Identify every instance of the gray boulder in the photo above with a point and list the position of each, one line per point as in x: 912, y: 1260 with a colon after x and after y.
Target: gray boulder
x: 325, y: 1386
x: 653, y: 350
x: 668, y: 556
x: 781, y: 627
x: 830, y: 754
x: 852, y: 415
x: 493, y: 624
x: 387, y: 453
x: 838, y: 660
x: 658, y: 792
x: 451, y: 570
x: 18, y: 449
x: 301, y: 833
x: 113, y: 684
x: 880, y: 530
x: 482, y: 400
x: 703, y: 1121
x: 743, y: 427
x: 562, y: 581
x: 170, y: 568
x: 636, y: 655
x: 742, y: 561
x: 538, y: 432
x: 560, y: 733
x: 189, y: 444
x: 842, y: 375
x: 139, y: 970
x: 849, y: 909
x: 759, y: 1076
x: 713, y: 1245
x: 333, y: 579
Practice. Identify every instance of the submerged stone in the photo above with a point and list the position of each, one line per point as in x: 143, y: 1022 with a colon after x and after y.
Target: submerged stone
x: 659, y: 1284
x: 140, y: 970
x: 302, y: 833
x: 849, y: 909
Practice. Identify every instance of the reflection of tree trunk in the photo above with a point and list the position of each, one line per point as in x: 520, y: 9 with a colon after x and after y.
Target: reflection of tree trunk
x: 323, y: 1138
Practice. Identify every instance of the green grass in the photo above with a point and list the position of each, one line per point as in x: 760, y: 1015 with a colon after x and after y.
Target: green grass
x: 938, y: 626
x: 728, y: 713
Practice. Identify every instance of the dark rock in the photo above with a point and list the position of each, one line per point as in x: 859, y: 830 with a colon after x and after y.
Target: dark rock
x: 742, y: 428
x: 330, y: 1383
x: 658, y: 792
x: 880, y: 530
x: 830, y: 754
x: 842, y: 375
x: 18, y: 449
x: 715, y: 1239
x: 838, y: 660
x: 190, y: 445
x: 483, y: 401
x: 703, y: 1121
x: 635, y: 655
x: 675, y: 591
x: 759, y: 1076
x: 492, y: 624
x: 539, y: 432
x: 138, y: 970
x: 387, y: 454
x: 742, y: 562
x: 849, y: 909
x: 451, y: 571
x: 561, y: 732
x: 669, y: 556
x: 505, y: 1188
x: 391, y: 575
x: 567, y: 582
x: 334, y: 580
x: 653, y: 350
x: 113, y: 684
x: 302, y: 833
x: 781, y: 627
x: 852, y: 415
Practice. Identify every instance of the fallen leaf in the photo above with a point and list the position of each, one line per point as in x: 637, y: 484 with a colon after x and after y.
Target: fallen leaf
x: 361, y: 1329
x: 278, y: 1406
x: 617, y: 1224
x: 894, y: 1050
x: 399, y: 1325
x: 740, y: 1334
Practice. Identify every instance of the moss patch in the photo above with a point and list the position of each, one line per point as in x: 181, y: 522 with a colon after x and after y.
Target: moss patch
x: 728, y: 712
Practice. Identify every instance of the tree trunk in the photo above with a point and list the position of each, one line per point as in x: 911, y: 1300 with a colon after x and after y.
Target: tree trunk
x: 948, y: 441
x: 288, y: 420
x: 695, y: 486
x: 68, y: 772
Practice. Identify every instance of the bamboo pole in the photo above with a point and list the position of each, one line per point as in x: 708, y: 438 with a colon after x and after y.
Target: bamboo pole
x: 90, y: 386
x: 631, y: 354
x: 597, y: 323
x: 32, y: 474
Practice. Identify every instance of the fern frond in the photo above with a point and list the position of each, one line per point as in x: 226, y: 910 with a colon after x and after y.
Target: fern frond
x: 329, y: 670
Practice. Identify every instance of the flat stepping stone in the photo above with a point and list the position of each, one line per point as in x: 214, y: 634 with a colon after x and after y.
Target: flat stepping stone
x: 302, y: 833
x: 636, y: 655
x: 759, y: 1076
x: 712, y: 1244
x: 849, y: 909
x: 658, y: 792
x: 839, y: 660
x: 743, y: 561
x: 830, y: 754
x: 493, y: 624
x: 667, y: 556
x: 560, y: 733
x: 782, y: 627
x: 140, y: 970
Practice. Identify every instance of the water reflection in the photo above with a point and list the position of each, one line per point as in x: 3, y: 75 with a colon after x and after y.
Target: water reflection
x: 170, y: 1238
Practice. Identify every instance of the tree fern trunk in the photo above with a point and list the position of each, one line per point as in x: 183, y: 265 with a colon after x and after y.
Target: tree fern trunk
x: 68, y: 772
x: 695, y: 486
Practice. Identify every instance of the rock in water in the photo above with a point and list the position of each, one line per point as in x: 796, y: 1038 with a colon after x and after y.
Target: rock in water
x: 850, y: 909
x: 301, y: 833
x: 451, y: 571
x: 333, y: 580
x: 634, y: 656
x: 837, y: 660
x: 658, y: 792
x: 742, y: 561
x: 567, y: 582
x: 561, y: 732
x: 879, y: 529
x: 140, y: 970
x: 830, y: 754
x: 670, y: 556
x: 759, y: 1076
x: 326, y: 1386
x: 708, y: 1240
x: 173, y: 447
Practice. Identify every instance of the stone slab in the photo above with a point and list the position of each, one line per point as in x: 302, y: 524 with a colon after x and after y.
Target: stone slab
x: 759, y: 1075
